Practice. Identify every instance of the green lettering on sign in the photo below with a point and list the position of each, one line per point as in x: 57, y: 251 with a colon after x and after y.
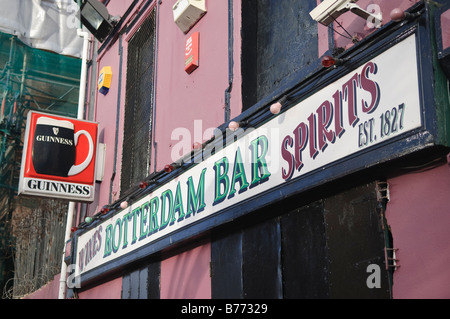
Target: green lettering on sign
x: 260, y: 172
x: 166, y: 195
x: 196, y: 200
x: 221, y: 179
x: 178, y: 205
x: 154, y: 207
x: 238, y: 175
x: 108, y: 244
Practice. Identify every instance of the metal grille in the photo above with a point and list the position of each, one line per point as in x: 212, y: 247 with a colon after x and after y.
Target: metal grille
x: 137, y: 145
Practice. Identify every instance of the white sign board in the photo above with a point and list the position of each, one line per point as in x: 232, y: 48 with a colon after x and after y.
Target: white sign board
x: 370, y: 105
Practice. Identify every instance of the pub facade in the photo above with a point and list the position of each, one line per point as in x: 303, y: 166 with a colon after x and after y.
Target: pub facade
x: 258, y: 149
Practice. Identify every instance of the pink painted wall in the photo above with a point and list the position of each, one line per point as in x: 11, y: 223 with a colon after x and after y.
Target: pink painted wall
x: 445, y: 26
x: 109, y: 290
x: 105, y: 114
x: 119, y: 7
x: 184, y: 98
x: 419, y: 215
x: 198, y: 97
x: 186, y: 276
x: 48, y: 291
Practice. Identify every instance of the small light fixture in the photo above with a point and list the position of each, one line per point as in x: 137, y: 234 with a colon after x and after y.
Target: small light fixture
x: 124, y: 204
x: 96, y: 18
x: 275, y: 108
x: 171, y: 167
x: 398, y: 15
x: 143, y: 185
x: 104, y: 210
x: 168, y: 168
x: 74, y: 229
x: 88, y: 220
x: 329, y: 61
x: 234, y: 125
x: 196, y: 146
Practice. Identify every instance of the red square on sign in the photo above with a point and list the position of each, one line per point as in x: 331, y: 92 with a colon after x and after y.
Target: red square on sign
x: 191, y: 56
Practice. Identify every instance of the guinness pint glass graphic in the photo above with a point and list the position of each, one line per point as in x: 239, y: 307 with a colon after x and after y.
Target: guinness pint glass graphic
x: 55, y: 146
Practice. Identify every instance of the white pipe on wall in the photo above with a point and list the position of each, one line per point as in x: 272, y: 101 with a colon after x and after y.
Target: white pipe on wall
x: 80, y: 116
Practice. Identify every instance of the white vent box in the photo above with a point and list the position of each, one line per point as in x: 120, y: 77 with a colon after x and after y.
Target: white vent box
x: 186, y: 13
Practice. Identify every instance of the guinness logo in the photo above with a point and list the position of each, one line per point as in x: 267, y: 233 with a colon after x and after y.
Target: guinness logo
x: 56, y: 130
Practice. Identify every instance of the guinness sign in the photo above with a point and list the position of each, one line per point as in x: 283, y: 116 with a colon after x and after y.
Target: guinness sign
x: 59, y: 157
